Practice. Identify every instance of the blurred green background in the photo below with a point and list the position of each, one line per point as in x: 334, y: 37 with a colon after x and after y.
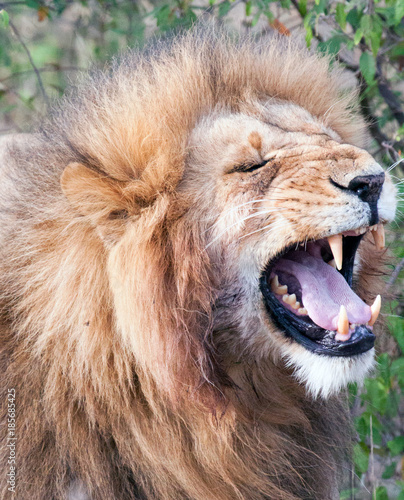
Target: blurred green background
x: 46, y: 43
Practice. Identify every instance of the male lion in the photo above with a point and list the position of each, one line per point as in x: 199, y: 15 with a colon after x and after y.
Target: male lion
x: 173, y: 321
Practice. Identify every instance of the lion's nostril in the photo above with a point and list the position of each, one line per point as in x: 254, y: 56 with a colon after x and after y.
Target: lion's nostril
x: 367, y: 187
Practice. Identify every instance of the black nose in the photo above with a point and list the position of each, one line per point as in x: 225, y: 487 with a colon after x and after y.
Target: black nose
x: 367, y: 187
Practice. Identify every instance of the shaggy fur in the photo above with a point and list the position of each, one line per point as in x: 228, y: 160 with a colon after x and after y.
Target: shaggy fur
x: 132, y: 327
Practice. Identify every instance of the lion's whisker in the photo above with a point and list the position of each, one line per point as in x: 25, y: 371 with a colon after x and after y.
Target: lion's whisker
x: 233, y: 209
x: 275, y: 225
x: 265, y: 212
x: 395, y: 165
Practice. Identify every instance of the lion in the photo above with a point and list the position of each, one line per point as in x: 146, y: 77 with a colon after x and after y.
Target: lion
x: 190, y: 267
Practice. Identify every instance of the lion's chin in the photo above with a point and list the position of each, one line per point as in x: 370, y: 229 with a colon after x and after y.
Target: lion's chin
x: 324, y: 376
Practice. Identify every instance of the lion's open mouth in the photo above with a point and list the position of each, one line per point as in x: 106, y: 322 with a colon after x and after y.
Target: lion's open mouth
x: 308, y: 293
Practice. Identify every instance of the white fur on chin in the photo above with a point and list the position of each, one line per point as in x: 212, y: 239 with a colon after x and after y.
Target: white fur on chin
x: 324, y: 376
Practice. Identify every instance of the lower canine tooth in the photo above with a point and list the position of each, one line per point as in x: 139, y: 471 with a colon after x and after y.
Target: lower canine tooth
x: 378, y: 236
x: 343, y: 322
x: 335, y: 243
x: 282, y: 289
x: 375, y: 309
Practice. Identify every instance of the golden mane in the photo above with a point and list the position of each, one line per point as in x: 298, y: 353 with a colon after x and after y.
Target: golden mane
x: 156, y: 416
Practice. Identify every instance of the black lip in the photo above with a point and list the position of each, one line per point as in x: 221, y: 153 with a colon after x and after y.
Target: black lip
x: 304, y: 331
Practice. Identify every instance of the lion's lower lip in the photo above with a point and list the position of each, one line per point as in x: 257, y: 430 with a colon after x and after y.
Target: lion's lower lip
x: 309, y: 312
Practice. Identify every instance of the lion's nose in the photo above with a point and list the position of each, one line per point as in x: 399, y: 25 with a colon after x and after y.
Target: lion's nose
x: 367, y: 187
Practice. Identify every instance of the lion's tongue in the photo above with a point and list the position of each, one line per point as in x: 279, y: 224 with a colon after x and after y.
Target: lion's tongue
x: 324, y: 290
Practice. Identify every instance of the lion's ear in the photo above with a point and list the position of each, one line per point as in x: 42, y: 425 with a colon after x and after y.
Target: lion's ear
x: 91, y: 193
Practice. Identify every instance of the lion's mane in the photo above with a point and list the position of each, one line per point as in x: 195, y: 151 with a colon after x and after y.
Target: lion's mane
x: 156, y: 416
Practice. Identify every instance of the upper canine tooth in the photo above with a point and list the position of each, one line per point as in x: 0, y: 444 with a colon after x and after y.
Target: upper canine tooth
x: 332, y: 263
x: 343, y: 322
x: 335, y: 243
x: 375, y: 308
x: 379, y: 237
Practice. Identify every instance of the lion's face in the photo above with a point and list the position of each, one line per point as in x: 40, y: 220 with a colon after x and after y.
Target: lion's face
x: 288, y: 205
x: 258, y: 241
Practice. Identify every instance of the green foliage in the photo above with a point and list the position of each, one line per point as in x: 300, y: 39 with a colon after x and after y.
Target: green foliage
x: 45, y: 42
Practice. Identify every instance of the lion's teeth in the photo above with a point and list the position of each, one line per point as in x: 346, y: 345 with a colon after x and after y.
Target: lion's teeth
x: 332, y: 263
x: 343, y: 322
x: 302, y: 311
x: 274, y: 283
x: 276, y: 287
x: 289, y: 299
x: 296, y: 305
x: 335, y: 243
x: 378, y: 236
x: 375, y: 309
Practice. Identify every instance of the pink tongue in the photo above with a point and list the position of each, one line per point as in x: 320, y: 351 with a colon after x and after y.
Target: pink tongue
x: 324, y: 290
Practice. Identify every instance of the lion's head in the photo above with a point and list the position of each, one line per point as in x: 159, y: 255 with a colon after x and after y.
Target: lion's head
x: 258, y: 189
x: 209, y: 234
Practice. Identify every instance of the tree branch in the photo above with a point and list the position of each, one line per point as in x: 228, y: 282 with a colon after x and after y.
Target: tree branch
x: 395, y: 274
x: 38, y: 75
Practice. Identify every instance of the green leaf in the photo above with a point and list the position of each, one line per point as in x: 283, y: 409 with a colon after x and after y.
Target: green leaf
x: 361, y: 457
x: 163, y: 15
x: 366, y: 24
x: 4, y: 17
x: 309, y: 36
x: 381, y: 493
x: 358, y: 36
x: 329, y: 47
x: 367, y: 66
x: 389, y: 471
x: 397, y: 369
x: 248, y: 6
x: 396, y: 326
x: 353, y: 18
x: 340, y: 15
x: 348, y: 494
x: 396, y: 445
x: 372, y: 28
x: 399, y: 12
x: 224, y: 8
x: 256, y: 18
x: 383, y: 362
x: 303, y: 7
x: 307, y: 26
